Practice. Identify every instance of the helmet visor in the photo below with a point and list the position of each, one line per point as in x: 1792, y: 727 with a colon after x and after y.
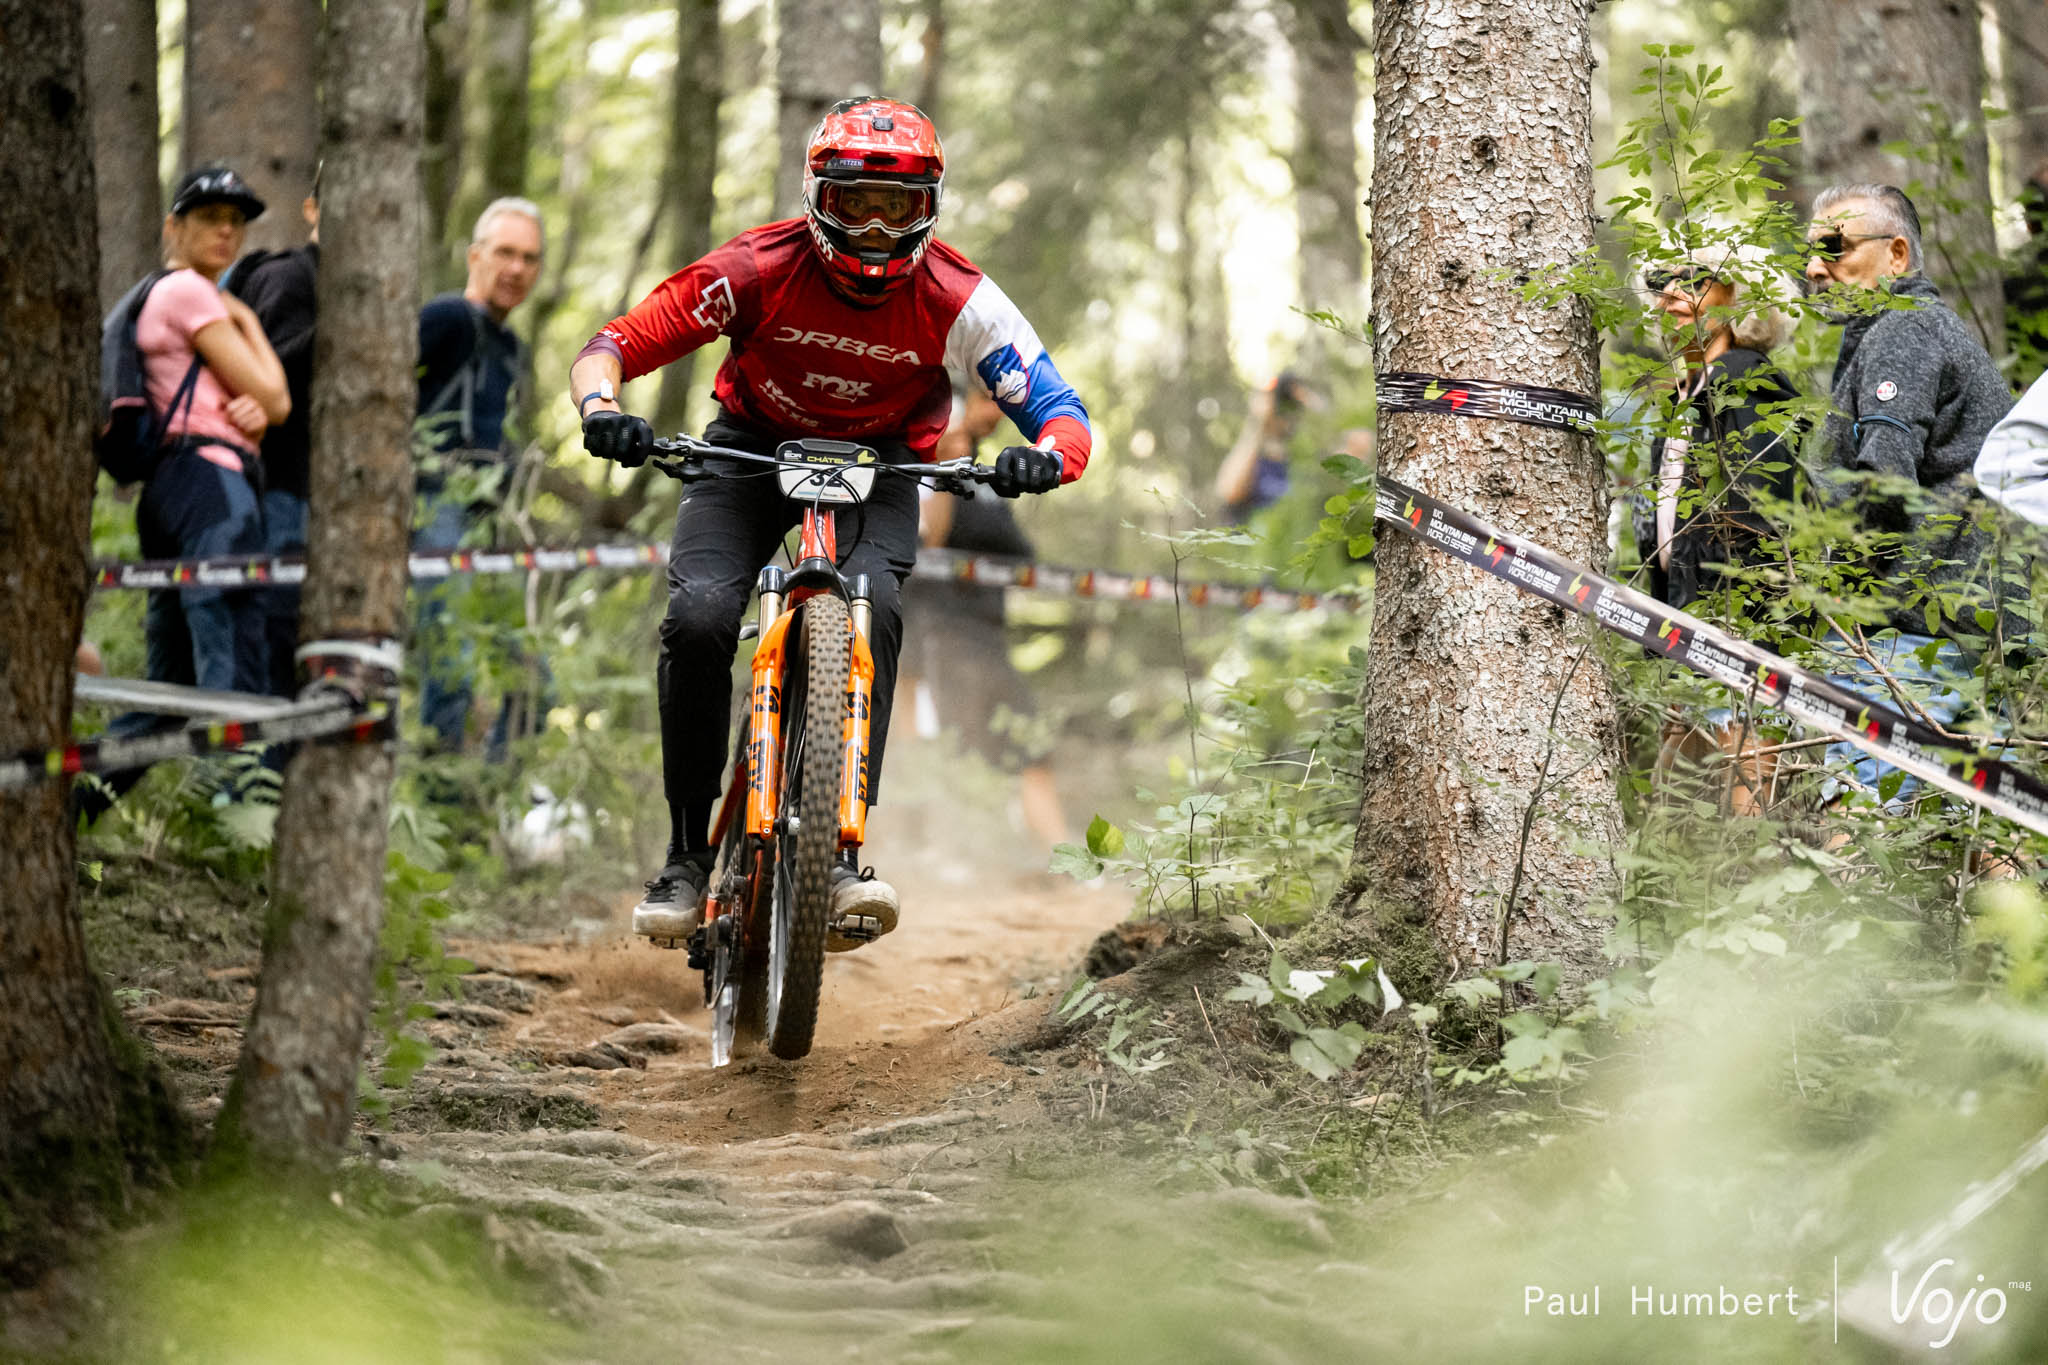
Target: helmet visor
x: 856, y: 206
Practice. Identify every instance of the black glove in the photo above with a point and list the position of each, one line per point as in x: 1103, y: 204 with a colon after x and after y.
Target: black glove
x: 618, y: 436
x: 1026, y: 469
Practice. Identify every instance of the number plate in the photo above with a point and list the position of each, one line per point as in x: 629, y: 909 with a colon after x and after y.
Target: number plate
x: 845, y: 472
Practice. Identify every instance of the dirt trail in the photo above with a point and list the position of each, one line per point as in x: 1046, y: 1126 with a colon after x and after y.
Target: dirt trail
x: 571, y: 1098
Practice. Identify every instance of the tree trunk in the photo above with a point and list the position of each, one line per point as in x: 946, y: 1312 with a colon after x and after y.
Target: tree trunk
x: 1325, y: 164
x: 498, y: 99
x: 295, y: 1088
x: 120, y: 64
x: 2023, y: 47
x: 251, y: 101
x: 826, y: 51
x: 84, y: 1116
x: 931, y: 64
x: 1867, y: 77
x: 441, y: 149
x: 1478, y: 698
x: 693, y: 153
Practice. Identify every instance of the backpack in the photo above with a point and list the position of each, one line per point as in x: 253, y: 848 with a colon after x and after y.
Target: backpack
x: 235, y: 278
x: 131, y: 433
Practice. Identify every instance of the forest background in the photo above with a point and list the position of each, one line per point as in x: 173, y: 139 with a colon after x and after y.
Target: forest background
x: 1168, y: 189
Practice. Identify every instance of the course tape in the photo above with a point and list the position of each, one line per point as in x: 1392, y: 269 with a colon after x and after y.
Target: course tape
x: 1756, y: 673
x: 240, y: 571
x: 1530, y: 403
x: 328, y: 718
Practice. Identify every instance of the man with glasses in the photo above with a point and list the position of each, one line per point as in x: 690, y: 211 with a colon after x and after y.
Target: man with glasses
x: 1913, y: 397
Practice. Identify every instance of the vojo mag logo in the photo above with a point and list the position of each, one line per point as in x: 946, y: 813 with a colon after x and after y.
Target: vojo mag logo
x: 1942, y: 1310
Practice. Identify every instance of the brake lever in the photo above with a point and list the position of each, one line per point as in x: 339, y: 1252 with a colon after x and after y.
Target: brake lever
x: 686, y: 469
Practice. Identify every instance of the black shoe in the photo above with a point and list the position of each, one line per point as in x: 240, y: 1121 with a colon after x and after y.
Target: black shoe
x: 674, y: 906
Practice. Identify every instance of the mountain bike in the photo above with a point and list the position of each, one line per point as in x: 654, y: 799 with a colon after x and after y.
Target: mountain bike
x: 797, y: 796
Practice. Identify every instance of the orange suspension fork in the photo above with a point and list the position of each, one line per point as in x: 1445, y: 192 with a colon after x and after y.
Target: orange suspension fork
x: 860, y: 696
x: 764, y: 706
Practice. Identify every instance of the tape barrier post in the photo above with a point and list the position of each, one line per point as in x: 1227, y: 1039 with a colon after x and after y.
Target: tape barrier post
x: 349, y: 696
x: 939, y: 565
x: 1735, y: 663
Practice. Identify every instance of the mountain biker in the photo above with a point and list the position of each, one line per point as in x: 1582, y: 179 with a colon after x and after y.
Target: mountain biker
x: 843, y: 324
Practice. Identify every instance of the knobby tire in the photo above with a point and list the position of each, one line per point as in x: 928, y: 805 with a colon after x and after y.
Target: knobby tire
x: 742, y: 884
x: 812, y: 759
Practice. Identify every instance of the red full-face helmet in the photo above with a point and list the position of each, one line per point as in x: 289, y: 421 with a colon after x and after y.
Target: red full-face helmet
x: 873, y: 174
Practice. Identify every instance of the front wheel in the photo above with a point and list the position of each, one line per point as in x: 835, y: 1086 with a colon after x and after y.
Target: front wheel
x: 807, y: 823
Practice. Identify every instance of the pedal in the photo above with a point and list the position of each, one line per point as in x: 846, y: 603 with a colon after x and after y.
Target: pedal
x: 862, y: 928
x: 700, y: 949
x: 666, y: 942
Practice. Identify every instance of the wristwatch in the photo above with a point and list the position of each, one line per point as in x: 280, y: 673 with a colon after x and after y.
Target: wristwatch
x: 603, y: 390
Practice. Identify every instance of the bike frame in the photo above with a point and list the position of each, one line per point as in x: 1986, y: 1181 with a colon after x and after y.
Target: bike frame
x: 756, y: 785
x: 754, y: 790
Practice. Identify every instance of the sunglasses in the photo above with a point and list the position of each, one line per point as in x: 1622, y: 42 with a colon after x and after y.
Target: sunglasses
x: 1657, y: 281
x: 1832, y: 246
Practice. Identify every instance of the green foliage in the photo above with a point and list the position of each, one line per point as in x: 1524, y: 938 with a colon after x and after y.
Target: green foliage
x: 1304, y: 1005
x: 1085, y: 1005
x: 412, y: 958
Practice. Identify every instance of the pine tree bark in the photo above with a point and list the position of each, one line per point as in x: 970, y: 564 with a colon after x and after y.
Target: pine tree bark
x: 84, y: 1116
x: 2023, y: 46
x: 1867, y: 75
x: 1331, y: 263
x: 120, y: 65
x: 497, y: 98
x: 294, y: 1091
x: 251, y: 101
x: 1482, y: 173
x: 931, y: 65
x: 826, y: 51
x: 693, y: 150
x: 441, y: 133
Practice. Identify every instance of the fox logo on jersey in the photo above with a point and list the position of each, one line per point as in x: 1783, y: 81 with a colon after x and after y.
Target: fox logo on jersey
x: 851, y: 390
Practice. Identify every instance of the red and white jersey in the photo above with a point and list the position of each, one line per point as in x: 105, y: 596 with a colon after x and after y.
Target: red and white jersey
x: 806, y: 362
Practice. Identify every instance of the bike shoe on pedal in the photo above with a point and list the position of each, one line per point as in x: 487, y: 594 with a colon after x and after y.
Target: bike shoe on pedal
x: 863, y: 907
x: 674, y: 907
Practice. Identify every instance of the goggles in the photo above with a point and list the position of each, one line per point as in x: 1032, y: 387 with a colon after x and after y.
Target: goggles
x: 859, y: 205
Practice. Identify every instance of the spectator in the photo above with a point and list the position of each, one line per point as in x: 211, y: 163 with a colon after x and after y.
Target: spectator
x: 1255, y: 474
x: 963, y: 643
x: 2012, y: 468
x: 2026, y: 288
x: 279, y: 287
x: 1699, y: 528
x: 470, y: 364
x: 1913, y: 397
x: 213, y: 378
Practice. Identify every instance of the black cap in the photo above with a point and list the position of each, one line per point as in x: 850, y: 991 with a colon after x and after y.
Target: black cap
x: 215, y: 184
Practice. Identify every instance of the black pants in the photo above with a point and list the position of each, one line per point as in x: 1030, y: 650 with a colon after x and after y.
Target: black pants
x: 726, y: 530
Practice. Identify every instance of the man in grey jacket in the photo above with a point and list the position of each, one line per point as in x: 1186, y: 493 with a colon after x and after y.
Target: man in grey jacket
x: 1913, y: 397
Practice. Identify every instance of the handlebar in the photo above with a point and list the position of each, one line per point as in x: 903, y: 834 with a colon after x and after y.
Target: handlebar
x: 686, y: 462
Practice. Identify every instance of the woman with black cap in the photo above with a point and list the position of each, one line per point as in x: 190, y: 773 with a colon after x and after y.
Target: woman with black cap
x: 213, y: 376
x: 216, y: 385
